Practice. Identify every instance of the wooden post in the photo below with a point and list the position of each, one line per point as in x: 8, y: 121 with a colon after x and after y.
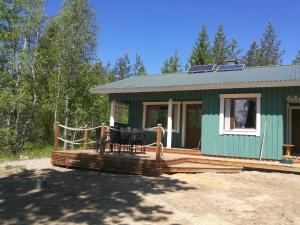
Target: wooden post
x: 102, y: 136
x: 158, y: 141
x: 86, y: 138
x: 56, y: 135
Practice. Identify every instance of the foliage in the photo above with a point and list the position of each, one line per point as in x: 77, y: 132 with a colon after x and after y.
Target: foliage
x: 251, y: 58
x: 171, y: 64
x: 220, y: 47
x: 138, y: 67
x: 297, y: 58
x: 122, y: 68
x: 267, y: 53
x: 201, y: 53
x: 27, y: 153
x: 270, y: 53
x: 47, y: 68
x: 233, y: 50
x: 21, y: 28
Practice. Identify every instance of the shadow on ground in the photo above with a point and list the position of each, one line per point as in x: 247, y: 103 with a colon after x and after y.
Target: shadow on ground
x: 88, y: 197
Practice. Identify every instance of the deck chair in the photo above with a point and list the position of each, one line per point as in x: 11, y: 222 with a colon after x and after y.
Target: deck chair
x: 138, y: 139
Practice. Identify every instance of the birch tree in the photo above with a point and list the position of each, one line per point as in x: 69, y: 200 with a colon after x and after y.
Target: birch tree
x: 21, y: 28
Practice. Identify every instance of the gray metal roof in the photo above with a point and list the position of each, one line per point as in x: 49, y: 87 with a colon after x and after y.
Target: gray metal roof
x: 269, y: 76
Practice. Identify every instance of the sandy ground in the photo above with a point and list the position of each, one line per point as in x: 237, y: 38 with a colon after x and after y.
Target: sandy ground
x: 85, y: 197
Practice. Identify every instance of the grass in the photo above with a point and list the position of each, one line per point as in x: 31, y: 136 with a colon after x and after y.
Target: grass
x: 17, y: 167
x: 29, y: 153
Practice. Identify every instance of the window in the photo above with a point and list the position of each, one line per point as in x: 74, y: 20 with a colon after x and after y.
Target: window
x: 155, y: 113
x: 240, y: 114
x: 121, y: 112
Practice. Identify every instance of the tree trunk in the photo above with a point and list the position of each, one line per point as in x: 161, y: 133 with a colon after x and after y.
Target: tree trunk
x: 74, y: 135
x: 66, y: 119
x: 57, y: 93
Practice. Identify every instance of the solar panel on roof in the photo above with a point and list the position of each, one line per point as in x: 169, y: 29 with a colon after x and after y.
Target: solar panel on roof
x: 230, y: 67
x: 201, y: 68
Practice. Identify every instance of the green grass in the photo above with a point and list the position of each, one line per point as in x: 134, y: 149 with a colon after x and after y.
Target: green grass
x: 28, y: 153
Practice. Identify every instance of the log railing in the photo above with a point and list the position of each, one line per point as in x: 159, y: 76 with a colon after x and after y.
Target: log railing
x: 104, y: 130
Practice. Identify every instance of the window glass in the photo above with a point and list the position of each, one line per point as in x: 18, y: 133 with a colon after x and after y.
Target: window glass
x: 244, y: 113
x: 121, y: 112
x: 239, y: 114
x: 156, y: 114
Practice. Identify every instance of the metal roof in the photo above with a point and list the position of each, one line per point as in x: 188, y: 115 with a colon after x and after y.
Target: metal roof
x: 269, y: 76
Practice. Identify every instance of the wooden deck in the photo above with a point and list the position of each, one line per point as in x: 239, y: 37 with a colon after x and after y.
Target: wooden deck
x: 173, y: 162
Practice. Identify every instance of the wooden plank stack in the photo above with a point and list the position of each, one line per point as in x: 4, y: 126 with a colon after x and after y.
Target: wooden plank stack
x: 107, y: 163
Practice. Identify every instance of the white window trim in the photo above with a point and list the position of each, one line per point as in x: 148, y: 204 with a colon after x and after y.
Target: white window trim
x: 183, y: 125
x: 253, y: 132
x: 145, y: 104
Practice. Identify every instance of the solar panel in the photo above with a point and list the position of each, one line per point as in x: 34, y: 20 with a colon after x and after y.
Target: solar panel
x: 201, y: 68
x: 230, y: 67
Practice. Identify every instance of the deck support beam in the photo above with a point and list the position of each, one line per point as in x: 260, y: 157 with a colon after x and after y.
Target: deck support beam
x: 112, y: 113
x: 169, y: 126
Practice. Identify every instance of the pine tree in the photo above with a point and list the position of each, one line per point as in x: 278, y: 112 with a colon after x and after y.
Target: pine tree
x: 270, y: 47
x: 172, y: 64
x: 233, y: 50
x: 220, y: 47
x: 201, y: 53
x: 297, y: 58
x: 251, y: 57
x: 138, y: 67
x: 122, y: 68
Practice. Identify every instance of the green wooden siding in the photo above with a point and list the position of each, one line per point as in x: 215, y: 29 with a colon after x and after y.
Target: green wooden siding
x: 273, y: 112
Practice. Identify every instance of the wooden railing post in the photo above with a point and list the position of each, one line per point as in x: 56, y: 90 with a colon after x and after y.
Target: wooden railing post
x: 86, y: 138
x: 158, y: 141
x: 102, y: 136
x: 56, y: 135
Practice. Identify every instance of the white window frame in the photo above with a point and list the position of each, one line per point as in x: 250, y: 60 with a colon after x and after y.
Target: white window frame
x: 252, y: 132
x: 145, y: 104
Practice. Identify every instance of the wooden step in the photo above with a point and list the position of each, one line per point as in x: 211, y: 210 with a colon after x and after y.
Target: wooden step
x: 200, y: 168
x: 248, y: 164
x: 176, y: 150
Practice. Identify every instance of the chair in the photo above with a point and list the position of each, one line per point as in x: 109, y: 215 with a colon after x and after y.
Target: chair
x: 125, y: 137
x: 115, y: 138
x: 138, y: 138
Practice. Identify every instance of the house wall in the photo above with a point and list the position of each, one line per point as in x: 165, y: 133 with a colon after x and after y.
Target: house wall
x: 273, y: 113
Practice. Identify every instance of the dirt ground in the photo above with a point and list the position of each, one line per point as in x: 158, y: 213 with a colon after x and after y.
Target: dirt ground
x: 85, y: 197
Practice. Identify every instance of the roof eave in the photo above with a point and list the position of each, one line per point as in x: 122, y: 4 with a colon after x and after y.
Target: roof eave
x: 290, y: 83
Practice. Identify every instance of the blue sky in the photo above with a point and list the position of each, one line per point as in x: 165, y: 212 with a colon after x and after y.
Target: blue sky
x: 156, y: 28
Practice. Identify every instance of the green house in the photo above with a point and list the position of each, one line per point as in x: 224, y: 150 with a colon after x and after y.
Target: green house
x: 238, y: 113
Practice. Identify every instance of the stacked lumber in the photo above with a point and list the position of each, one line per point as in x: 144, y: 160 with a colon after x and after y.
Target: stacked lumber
x: 106, y: 163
